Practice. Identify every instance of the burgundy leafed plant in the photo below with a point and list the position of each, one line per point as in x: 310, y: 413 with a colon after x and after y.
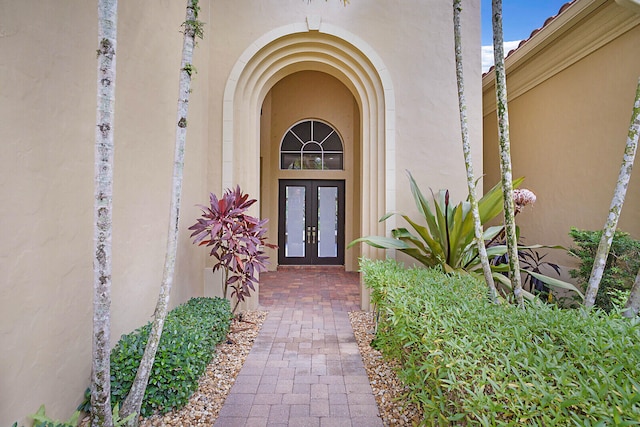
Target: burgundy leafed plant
x: 236, y: 239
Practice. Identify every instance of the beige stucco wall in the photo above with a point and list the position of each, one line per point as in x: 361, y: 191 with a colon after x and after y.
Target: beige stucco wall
x: 568, y: 130
x: 401, y: 56
x: 47, y: 104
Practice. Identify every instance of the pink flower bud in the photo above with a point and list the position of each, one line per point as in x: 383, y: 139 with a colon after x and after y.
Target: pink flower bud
x: 523, y: 197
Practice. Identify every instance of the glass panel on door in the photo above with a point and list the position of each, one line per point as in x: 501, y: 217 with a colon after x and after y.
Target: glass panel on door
x: 294, y: 245
x: 327, y: 222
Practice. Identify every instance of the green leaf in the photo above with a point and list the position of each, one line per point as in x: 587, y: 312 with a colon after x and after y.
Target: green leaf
x: 381, y: 242
x: 456, y: 417
x: 435, y: 245
x: 386, y: 216
x: 461, y: 233
x: 441, y: 228
x: 555, y: 283
x: 406, y: 236
x: 420, y: 256
x: 492, y: 232
x: 491, y: 204
x: 422, y: 204
x: 497, y: 250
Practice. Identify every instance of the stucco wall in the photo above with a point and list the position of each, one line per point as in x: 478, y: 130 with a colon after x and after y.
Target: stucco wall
x: 47, y: 105
x: 568, y: 131
x: 47, y: 110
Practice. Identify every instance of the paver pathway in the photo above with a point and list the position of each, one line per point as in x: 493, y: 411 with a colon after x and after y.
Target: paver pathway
x: 304, y: 368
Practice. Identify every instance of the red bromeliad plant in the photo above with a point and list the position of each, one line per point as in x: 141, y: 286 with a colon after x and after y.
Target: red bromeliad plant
x: 236, y: 239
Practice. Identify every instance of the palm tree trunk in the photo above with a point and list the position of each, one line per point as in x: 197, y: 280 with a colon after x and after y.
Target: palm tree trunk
x: 616, y: 204
x: 632, y: 307
x: 133, y: 402
x: 106, y: 83
x: 505, y: 152
x: 466, y: 148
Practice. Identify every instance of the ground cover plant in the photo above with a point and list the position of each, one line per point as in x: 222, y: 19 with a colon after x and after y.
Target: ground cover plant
x: 468, y: 362
x: 190, y: 335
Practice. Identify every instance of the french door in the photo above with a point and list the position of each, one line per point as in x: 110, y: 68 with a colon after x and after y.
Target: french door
x: 311, y: 222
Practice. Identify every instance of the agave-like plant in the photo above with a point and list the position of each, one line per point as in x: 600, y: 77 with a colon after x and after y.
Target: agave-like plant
x: 236, y: 240
x: 447, y: 239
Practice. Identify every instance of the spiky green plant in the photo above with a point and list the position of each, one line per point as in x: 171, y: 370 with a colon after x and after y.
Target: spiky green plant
x: 447, y: 239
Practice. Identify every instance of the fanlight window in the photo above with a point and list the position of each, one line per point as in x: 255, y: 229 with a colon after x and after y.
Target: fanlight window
x: 311, y: 145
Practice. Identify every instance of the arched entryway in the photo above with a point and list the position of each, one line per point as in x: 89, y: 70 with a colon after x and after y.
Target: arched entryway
x: 320, y: 52
x: 310, y: 169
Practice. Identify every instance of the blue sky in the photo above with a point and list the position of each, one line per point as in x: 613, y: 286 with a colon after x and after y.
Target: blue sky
x: 519, y: 17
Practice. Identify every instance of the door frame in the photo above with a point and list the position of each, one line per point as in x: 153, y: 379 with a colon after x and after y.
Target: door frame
x: 311, y: 206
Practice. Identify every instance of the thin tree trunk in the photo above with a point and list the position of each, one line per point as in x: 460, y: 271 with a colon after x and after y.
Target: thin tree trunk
x: 632, y: 307
x: 466, y: 148
x: 505, y: 152
x: 106, y: 83
x: 133, y: 402
x: 616, y: 204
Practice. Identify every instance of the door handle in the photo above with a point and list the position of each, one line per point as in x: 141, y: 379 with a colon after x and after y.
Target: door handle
x: 311, y: 234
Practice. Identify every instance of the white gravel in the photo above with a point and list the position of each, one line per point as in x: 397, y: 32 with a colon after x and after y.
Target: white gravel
x: 387, y: 388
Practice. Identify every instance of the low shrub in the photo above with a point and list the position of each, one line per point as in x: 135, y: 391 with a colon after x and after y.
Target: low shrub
x: 40, y: 419
x: 190, y: 334
x: 621, y: 267
x: 465, y: 361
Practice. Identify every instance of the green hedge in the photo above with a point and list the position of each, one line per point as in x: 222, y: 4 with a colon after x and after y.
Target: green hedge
x: 467, y: 362
x: 186, y: 347
x: 621, y: 267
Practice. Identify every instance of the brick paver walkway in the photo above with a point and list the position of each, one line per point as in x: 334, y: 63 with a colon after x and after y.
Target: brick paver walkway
x: 304, y: 368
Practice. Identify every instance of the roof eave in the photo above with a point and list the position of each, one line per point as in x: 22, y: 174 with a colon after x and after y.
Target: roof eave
x: 633, y: 5
x: 554, y: 28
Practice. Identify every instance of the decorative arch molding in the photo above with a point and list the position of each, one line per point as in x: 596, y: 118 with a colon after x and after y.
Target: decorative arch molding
x: 320, y: 47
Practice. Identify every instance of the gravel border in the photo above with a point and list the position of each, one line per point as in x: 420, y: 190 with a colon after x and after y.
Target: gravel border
x: 387, y: 388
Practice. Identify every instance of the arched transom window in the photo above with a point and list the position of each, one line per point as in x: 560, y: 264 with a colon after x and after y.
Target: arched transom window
x: 311, y: 144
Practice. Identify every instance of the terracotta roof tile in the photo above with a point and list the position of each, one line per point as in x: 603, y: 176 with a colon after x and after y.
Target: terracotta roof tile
x: 537, y: 30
